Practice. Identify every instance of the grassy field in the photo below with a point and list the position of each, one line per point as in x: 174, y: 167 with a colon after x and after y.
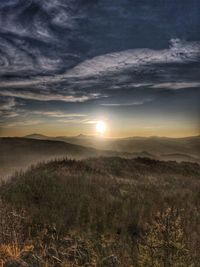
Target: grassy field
x: 102, y: 212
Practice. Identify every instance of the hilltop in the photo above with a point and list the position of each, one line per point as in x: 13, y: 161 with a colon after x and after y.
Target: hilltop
x: 106, y: 208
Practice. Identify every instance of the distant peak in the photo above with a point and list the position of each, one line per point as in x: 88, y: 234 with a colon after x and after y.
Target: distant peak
x: 84, y: 136
x: 35, y: 135
x: 81, y: 135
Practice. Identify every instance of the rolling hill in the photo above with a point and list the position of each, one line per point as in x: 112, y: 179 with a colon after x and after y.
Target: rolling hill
x: 179, y: 149
x: 20, y: 153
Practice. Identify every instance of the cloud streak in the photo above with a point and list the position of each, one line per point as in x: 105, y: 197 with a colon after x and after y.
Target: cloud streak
x: 48, y: 96
x: 176, y: 85
x: 137, y: 59
x: 58, y: 114
x: 128, y: 103
x: 21, y: 123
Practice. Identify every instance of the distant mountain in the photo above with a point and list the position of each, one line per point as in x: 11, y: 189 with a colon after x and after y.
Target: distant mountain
x: 37, y: 136
x: 188, y: 146
x: 45, y: 137
x: 17, y: 153
x: 20, y: 153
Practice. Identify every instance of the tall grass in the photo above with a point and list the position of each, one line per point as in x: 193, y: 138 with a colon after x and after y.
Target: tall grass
x: 111, y: 204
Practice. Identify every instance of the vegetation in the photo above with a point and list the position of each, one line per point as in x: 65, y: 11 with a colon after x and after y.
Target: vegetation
x: 20, y: 153
x: 102, y: 212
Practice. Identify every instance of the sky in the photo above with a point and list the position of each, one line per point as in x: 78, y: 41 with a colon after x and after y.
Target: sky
x: 66, y: 64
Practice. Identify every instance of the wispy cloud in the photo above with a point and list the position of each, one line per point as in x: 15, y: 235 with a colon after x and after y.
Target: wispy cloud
x: 21, y: 123
x: 48, y: 96
x: 135, y: 103
x: 8, y: 114
x: 71, y: 120
x: 58, y: 114
x: 7, y: 107
x: 7, y: 103
x: 176, y: 85
x: 178, y: 52
x: 134, y: 60
x: 90, y: 121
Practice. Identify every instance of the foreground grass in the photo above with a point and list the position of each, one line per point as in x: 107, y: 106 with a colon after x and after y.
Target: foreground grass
x: 103, y: 212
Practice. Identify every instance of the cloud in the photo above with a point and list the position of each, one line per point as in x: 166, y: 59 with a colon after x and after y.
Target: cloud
x: 32, y: 47
x: 90, y: 121
x: 21, y: 123
x: 123, y: 65
x: 8, y: 114
x: 176, y: 85
x: 41, y: 96
x: 71, y: 120
x: 137, y: 59
x: 7, y: 103
x: 7, y: 107
x: 135, y: 103
x: 58, y: 114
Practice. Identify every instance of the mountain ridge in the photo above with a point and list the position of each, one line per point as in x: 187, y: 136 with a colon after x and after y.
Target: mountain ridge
x: 34, y: 135
x: 155, y: 145
x: 17, y: 153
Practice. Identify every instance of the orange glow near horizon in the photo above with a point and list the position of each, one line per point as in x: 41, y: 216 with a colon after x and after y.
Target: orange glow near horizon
x: 100, y: 129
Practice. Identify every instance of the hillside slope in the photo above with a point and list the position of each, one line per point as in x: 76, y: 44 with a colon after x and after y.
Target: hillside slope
x: 20, y: 153
x: 17, y: 153
x: 96, y: 211
x: 159, y: 146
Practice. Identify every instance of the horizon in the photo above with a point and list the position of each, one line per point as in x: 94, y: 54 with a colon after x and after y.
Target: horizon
x: 99, y: 136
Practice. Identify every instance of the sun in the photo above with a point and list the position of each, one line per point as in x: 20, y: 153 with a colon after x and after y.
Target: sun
x: 101, y: 127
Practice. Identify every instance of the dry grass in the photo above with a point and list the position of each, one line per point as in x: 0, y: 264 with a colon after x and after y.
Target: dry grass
x: 104, y: 216
x: 13, y: 250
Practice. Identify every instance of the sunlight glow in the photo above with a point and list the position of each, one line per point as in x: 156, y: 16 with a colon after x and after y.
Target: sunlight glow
x: 101, y: 127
